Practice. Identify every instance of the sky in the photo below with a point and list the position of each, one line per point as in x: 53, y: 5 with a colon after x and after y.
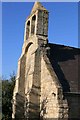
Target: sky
x: 63, y: 29
x: 0, y: 39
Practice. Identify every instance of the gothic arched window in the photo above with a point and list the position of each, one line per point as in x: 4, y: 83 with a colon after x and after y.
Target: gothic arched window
x: 27, y: 29
x: 33, y: 24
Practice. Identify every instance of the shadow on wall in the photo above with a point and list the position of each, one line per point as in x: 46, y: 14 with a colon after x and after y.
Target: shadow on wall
x: 74, y: 105
x: 60, y: 54
x: 19, y: 106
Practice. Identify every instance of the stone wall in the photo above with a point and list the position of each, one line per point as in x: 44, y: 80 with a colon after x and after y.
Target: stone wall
x: 74, y: 105
x: 38, y: 91
x: 19, y: 90
x: 42, y: 23
x: 52, y: 103
x: 34, y: 96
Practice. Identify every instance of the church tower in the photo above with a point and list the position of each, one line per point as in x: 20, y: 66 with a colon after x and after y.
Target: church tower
x: 44, y: 88
x: 27, y: 91
x: 37, y: 22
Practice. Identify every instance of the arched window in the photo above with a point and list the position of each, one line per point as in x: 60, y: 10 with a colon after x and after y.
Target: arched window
x: 33, y: 24
x: 27, y: 30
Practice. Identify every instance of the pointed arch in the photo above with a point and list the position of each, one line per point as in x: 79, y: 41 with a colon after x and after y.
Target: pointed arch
x: 26, y: 49
x: 27, y: 30
x: 33, y: 24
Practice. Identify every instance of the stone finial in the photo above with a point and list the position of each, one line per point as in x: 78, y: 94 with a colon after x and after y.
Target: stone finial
x: 37, y: 6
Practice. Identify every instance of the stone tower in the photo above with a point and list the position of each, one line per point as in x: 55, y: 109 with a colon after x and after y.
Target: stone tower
x: 26, y: 97
x: 44, y: 86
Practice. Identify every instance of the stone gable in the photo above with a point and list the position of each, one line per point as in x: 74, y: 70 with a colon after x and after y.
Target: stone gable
x: 47, y: 82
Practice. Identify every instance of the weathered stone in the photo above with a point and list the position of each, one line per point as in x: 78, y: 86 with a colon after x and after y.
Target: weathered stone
x: 38, y: 92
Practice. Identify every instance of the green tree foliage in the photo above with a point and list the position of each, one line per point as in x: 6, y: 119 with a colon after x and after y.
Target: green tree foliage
x: 7, y: 93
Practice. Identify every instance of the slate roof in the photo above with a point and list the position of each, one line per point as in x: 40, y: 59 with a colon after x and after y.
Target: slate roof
x: 66, y: 64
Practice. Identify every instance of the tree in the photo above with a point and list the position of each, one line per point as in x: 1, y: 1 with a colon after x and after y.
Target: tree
x: 7, y: 93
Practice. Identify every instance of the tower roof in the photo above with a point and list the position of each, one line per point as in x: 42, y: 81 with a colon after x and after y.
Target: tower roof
x: 37, y: 6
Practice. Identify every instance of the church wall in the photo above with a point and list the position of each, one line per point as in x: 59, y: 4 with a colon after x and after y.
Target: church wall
x: 49, y: 101
x: 42, y: 26
x: 74, y: 105
x: 53, y: 104
x: 18, y: 97
x: 33, y: 85
x: 39, y: 90
x: 22, y: 75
